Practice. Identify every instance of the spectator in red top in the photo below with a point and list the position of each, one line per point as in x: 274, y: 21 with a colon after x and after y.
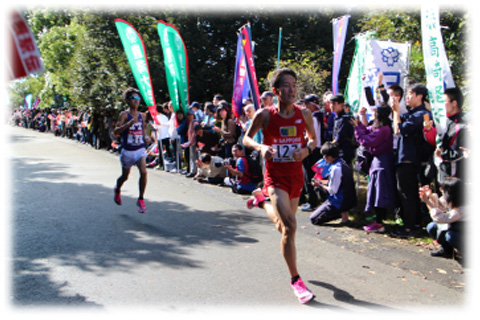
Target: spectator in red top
x: 452, y: 148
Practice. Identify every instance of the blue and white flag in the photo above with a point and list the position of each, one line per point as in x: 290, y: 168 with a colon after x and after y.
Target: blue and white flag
x: 391, y: 59
x: 339, y: 33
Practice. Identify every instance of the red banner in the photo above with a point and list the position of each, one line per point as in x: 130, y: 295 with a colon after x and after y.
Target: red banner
x: 24, y: 54
x: 252, y: 76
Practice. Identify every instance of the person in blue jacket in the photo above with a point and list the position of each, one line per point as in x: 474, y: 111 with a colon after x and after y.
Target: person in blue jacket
x: 340, y: 187
x: 409, y: 129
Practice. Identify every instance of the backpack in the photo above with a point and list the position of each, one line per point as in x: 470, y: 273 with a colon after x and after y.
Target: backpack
x: 254, y: 170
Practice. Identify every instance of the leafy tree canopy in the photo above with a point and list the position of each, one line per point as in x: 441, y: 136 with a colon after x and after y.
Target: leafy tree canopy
x: 86, y: 64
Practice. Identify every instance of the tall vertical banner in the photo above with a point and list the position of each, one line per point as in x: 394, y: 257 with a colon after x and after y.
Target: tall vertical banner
x: 35, y: 104
x: 27, y: 103
x: 241, y: 86
x: 339, y: 33
x: 24, y: 56
x: 137, y: 58
x: 354, y: 87
x: 437, y: 68
x: 176, y: 65
x: 250, y: 64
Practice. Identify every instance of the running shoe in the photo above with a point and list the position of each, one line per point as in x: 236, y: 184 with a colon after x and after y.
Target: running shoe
x: 374, y: 227
x: 255, y: 200
x: 303, y: 294
x: 141, y: 206
x: 117, y: 198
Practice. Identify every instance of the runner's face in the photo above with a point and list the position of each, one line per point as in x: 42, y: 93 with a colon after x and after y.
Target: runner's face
x: 287, y: 92
x: 134, y: 100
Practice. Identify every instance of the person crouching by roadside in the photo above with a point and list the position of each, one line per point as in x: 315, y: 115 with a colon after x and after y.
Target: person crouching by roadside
x: 448, y: 215
x: 210, y: 169
x: 340, y: 187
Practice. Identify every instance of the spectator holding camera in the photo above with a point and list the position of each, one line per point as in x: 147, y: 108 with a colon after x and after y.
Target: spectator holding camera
x: 378, y: 140
x: 343, y: 133
x: 242, y: 183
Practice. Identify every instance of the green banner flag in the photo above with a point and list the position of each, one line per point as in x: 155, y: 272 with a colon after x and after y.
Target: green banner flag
x: 354, y: 87
x: 176, y: 65
x: 137, y: 58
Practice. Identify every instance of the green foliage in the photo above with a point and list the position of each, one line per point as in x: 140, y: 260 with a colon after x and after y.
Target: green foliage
x: 85, y: 61
x: 402, y: 26
x: 311, y: 78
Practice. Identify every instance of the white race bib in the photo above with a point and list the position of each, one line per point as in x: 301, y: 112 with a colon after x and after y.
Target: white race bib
x: 284, y: 152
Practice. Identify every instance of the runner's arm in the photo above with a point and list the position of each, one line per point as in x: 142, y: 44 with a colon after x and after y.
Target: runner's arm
x: 302, y: 153
x: 259, y: 121
x: 122, y: 124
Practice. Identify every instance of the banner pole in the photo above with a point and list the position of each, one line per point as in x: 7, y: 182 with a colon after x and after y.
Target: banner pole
x: 279, y: 46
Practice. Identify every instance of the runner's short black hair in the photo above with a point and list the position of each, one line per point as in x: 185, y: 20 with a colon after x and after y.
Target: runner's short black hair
x: 276, y: 79
x: 130, y: 91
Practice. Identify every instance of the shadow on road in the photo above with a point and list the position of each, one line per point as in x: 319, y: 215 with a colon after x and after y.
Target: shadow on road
x: 56, y: 222
x: 344, y: 296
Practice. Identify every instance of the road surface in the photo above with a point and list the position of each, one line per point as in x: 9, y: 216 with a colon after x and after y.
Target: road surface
x: 197, y: 250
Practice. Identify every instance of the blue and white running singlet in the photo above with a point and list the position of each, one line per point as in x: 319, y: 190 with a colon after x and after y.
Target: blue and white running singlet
x: 132, y: 138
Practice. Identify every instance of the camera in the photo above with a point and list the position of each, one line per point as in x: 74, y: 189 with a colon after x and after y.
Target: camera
x: 349, y: 116
x: 229, y: 162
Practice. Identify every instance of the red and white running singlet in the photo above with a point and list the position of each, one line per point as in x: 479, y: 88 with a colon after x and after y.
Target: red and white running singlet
x: 285, y: 135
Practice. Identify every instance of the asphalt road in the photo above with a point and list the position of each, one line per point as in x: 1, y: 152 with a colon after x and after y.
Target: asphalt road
x: 198, y: 250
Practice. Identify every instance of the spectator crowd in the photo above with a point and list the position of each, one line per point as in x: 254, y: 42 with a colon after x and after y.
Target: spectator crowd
x: 415, y: 179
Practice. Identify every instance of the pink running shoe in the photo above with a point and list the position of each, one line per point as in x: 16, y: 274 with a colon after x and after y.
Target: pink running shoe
x: 303, y: 294
x: 256, y: 200
x: 374, y: 228
x: 117, y: 198
x: 141, y: 206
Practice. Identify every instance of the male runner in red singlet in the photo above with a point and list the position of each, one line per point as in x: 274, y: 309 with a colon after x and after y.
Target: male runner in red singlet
x: 131, y: 128
x: 284, y: 147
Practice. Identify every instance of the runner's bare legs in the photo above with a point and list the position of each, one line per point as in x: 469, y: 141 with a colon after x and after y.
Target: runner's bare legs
x: 281, y: 210
x: 121, y: 180
x: 142, y: 182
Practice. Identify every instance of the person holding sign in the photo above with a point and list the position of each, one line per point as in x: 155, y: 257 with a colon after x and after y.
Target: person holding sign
x: 131, y: 128
x: 284, y: 147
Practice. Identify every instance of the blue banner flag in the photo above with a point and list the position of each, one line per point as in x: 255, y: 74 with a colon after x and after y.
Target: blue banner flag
x: 339, y: 34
